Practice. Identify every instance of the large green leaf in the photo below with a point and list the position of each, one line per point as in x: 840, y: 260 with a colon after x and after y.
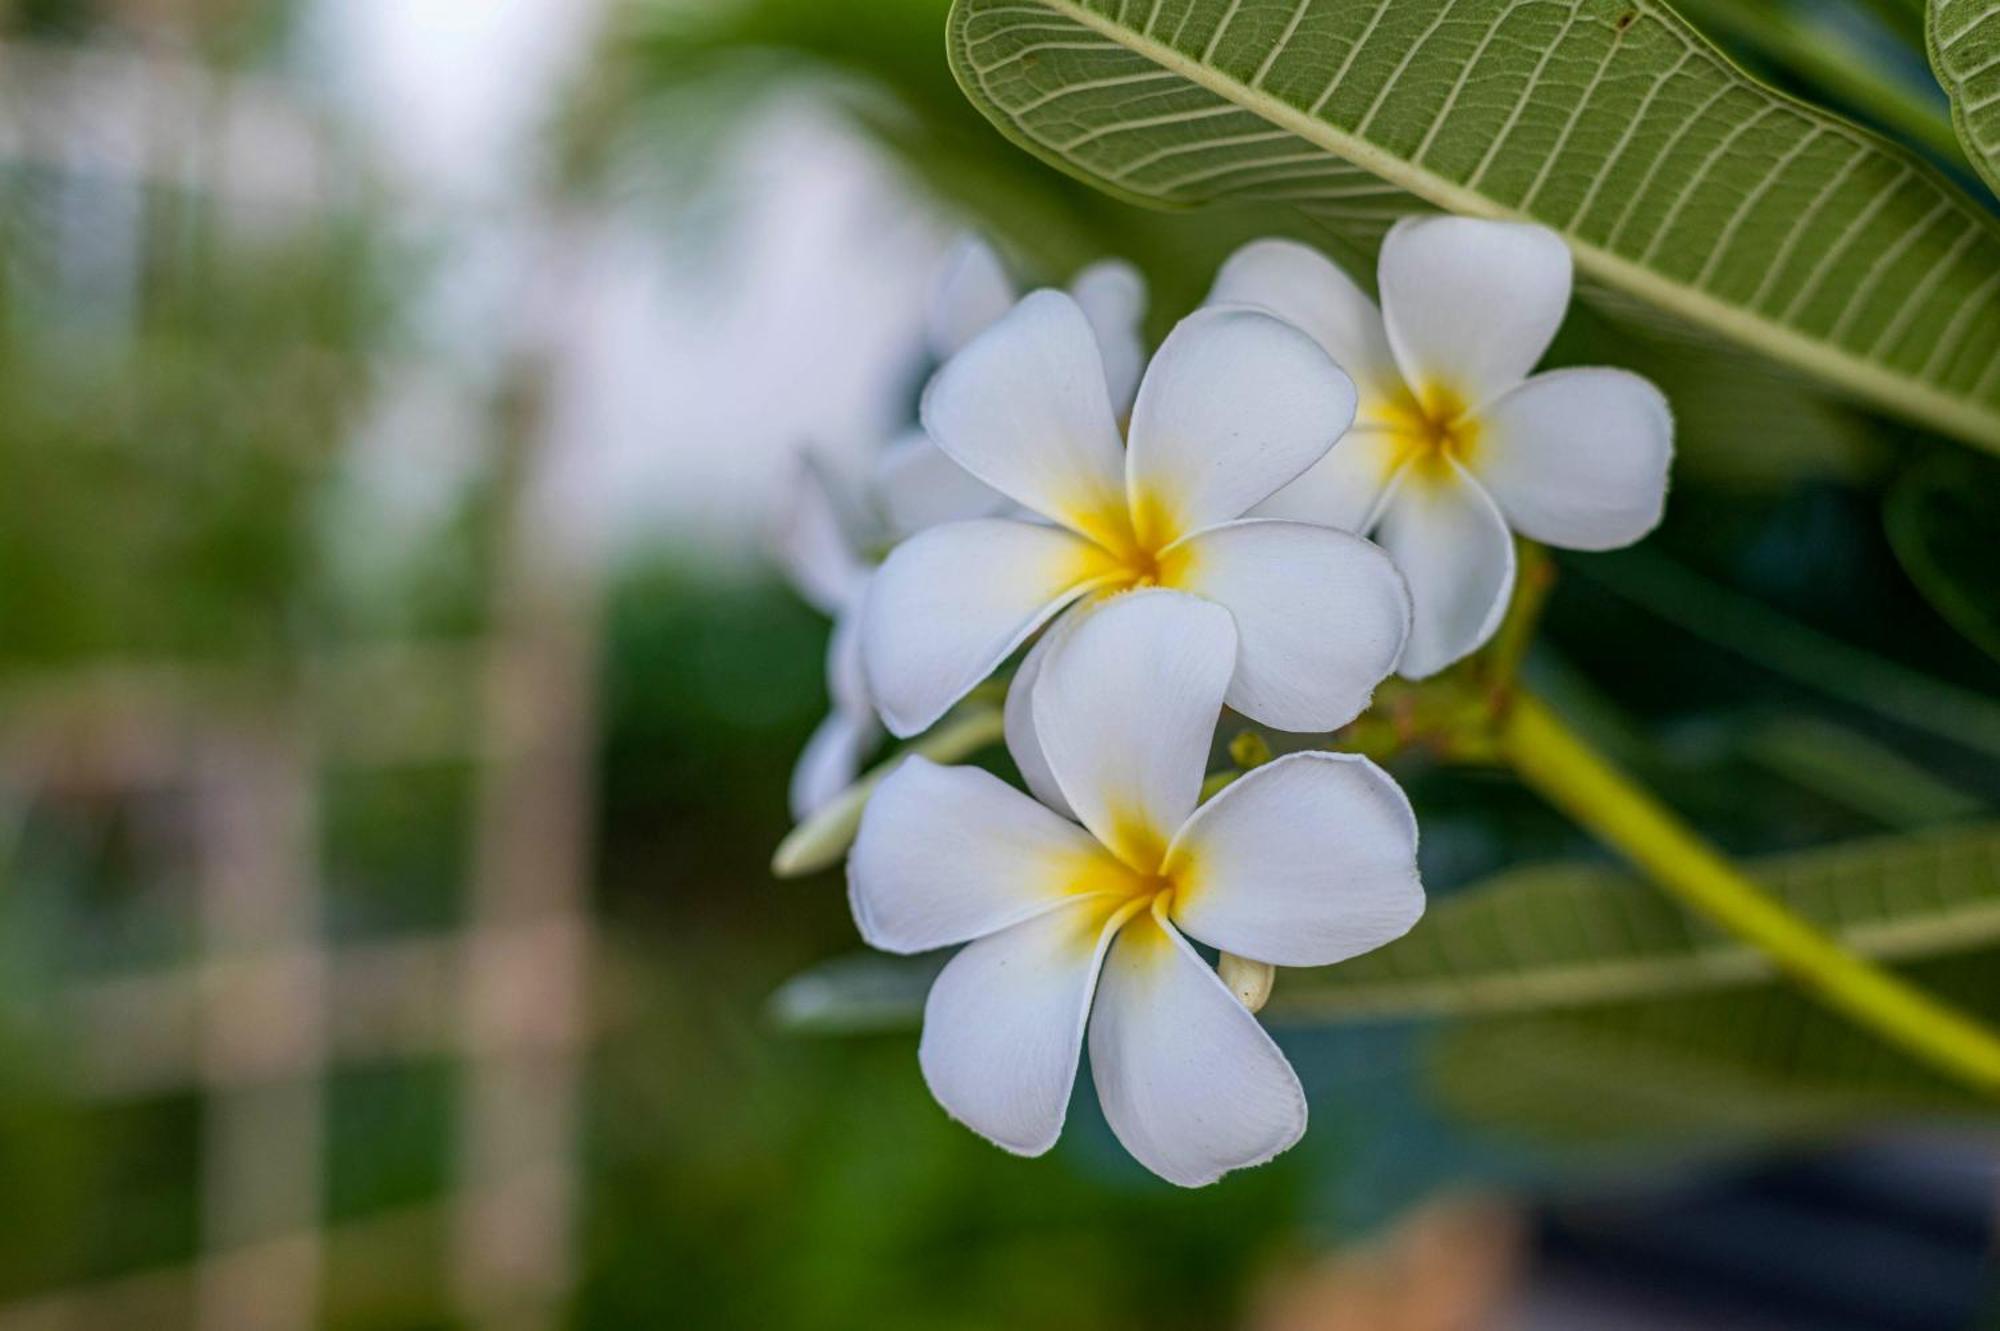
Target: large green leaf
x: 1710, y: 1068
x: 1559, y: 937
x: 1573, y: 936
x: 1964, y: 38
x: 1683, y: 186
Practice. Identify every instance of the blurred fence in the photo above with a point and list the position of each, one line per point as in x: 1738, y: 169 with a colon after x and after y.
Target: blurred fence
x: 256, y: 1023
x: 271, y: 1005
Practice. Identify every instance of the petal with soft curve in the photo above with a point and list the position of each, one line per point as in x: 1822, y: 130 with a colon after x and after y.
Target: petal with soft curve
x: 1578, y: 458
x: 1023, y: 744
x: 1321, y: 617
x: 949, y: 854
x: 951, y: 603
x: 1344, y: 489
x: 1457, y: 556
x: 1004, y: 1023
x: 917, y: 485
x: 1112, y: 295
x: 813, y: 540
x: 846, y: 678
x: 831, y: 760
x: 1305, y: 861
x: 1471, y: 305
x: 1189, y: 1081
x: 1126, y: 708
x: 1024, y: 408
x: 1305, y: 288
x: 1236, y: 404
x: 970, y: 296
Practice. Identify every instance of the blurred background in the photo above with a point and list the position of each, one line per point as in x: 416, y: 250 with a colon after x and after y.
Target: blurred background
x: 397, y: 698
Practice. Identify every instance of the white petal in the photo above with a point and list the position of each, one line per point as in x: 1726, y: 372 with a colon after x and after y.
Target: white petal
x: 813, y: 541
x: 1004, y: 1024
x: 846, y: 681
x: 1023, y: 744
x: 1024, y: 408
x: 1344, y: 489
x: 1112, y: 295
x: 971, y: 295
x: 830, y: 760
x: 947, y: 854
x: 1578, y: 458
x: 1306, y: 861
x: 1126, y: 710
x: 1457, y: 556
x: 1189, y: 1081
x: 951, y: 603
x: 917, y: 485
x: 1235, y: 404
x: 1471, y: 305
x: 1305, y: 288
x: 1321, y: 617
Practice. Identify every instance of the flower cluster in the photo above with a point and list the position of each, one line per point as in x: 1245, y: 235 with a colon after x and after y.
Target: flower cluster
x: 832, y: 533
x: 1200, y: 543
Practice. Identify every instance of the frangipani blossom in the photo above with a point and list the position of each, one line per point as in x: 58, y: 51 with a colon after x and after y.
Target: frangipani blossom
x: 828, y: 567
x: 1454, y: 444
x: 1306, y: 861
x: 830, y: 540
x: 975, y: 292
x: 1235, y: 404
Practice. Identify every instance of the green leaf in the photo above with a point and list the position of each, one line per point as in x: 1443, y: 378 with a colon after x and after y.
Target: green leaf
x: 1684, y: 187
x: 1555, y: 937
x: 855, y: 994
x: 1941, y: 518
x: 1715, y: 1069
x: 1579, y: 935
x: 1964, y: 39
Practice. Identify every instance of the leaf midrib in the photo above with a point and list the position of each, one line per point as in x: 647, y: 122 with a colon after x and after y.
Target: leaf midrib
x: 1951, y: 411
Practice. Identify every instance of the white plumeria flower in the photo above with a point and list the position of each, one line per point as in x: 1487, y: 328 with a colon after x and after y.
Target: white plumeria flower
x: 1453, y: 442
x: 828, y: 566
x: 1306, y: 861
x: 829, y: 541
x: 1235, y: 404
x: 975, y: 292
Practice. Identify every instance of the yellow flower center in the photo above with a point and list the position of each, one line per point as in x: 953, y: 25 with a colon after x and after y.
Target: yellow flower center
x: 1134, y: 545
x: 1432, y: 429
x: 1132, y: 872
x: 1123, y: 896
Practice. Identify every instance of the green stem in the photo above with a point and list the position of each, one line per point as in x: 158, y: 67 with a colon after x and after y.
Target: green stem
x: 1570, y: 775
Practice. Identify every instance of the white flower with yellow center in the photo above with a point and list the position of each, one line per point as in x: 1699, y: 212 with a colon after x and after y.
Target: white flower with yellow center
x: 1306, y: 861
x: 1235, y: 404
x: 830, y: 537
x: 1454, y: 444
